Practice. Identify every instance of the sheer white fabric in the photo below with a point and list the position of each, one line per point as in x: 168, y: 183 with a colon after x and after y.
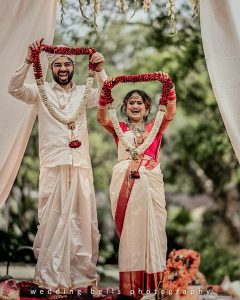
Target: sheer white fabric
x: 220, y: 27
x: 21, y: 23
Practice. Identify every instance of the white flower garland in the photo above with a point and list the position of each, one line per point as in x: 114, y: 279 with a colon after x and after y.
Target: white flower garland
x: 135, y: 151
x: 67, y: 120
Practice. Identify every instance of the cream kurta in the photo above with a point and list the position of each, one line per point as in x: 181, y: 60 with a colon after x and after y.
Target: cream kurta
x: 66, y: 243
x: 54, y: 137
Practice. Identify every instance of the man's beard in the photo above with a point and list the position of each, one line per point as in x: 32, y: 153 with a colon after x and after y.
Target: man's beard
x: 65, y: 81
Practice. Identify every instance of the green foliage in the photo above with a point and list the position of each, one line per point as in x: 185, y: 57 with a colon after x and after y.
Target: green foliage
x: 102, y: 151
x: 177, y: 227
x: 217, y: 258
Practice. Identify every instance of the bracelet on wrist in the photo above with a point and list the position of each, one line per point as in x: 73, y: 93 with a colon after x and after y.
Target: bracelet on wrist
x: 172, y: 101
x: 102, y: 106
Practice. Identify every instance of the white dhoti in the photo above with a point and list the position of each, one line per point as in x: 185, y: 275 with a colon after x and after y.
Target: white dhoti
x: 143, y: 242
x: 66, y: 244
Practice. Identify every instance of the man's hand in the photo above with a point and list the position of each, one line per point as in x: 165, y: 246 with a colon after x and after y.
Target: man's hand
x: 34, y: 46
x: 97, y: 59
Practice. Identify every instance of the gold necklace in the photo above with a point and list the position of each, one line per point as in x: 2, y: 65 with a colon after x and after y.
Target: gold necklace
x: 139, y: 132
x: 136, y: 127
x: 62, y: 105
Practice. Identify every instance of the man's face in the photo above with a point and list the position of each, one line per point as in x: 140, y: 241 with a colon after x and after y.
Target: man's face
x: 62, y: 70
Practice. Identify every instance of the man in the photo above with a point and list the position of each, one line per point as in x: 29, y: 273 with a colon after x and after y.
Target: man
x: 66, y: 244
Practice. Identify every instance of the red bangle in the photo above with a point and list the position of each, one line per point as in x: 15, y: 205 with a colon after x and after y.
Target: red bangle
x: 172, y: 95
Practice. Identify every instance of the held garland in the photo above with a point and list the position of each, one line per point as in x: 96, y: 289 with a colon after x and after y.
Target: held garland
x: 68, y: 121
x: 137, y: 151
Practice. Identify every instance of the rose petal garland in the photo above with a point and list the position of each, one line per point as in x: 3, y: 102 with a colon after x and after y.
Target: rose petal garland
x: 111, y: 82
x: 37, y: 68
x: 135, y: 151
x: 71, y: 51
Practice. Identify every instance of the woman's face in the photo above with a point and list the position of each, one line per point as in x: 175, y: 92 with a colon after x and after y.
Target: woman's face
x: 136, y: 109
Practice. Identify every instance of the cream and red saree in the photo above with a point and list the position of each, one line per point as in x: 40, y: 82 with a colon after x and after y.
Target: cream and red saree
x: 138, y: 208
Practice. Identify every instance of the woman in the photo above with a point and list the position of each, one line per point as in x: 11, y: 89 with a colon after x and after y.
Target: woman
x: 137, y: 194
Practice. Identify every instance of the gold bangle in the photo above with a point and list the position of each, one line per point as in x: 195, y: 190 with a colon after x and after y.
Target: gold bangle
x: 102, y: 107
x: 172, y: 101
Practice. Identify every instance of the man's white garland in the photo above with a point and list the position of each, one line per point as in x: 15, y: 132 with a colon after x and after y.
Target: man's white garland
x: 82, y: 105
x: 135, y: 151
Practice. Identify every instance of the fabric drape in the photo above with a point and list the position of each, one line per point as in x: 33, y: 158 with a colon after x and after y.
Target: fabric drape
x: 220, y: 28
x: 22, y: 22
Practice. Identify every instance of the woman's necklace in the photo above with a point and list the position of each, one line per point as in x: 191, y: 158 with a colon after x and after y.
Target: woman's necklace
x: 139, y: 132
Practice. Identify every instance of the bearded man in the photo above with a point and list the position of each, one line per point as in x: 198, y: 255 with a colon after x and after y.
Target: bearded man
x: 66, y: 244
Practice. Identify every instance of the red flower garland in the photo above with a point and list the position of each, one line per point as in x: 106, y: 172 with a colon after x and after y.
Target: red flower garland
x: 59, y: 50
x: 167, y: 84
x: 75, y: 144
x: 182, y: 266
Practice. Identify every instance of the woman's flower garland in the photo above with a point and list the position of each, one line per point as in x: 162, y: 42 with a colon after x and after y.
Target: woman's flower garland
x: 135, y: 151
x: 69, y: 121
x: 182, y: 266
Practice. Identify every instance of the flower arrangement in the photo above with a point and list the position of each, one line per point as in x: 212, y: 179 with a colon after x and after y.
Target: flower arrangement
x: 122, y: 4
x: 182, y: 267
x: 9, y: 290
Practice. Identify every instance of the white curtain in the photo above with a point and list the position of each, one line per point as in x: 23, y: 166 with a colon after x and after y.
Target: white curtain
x: 21, y: 22
x: 220, y: 27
